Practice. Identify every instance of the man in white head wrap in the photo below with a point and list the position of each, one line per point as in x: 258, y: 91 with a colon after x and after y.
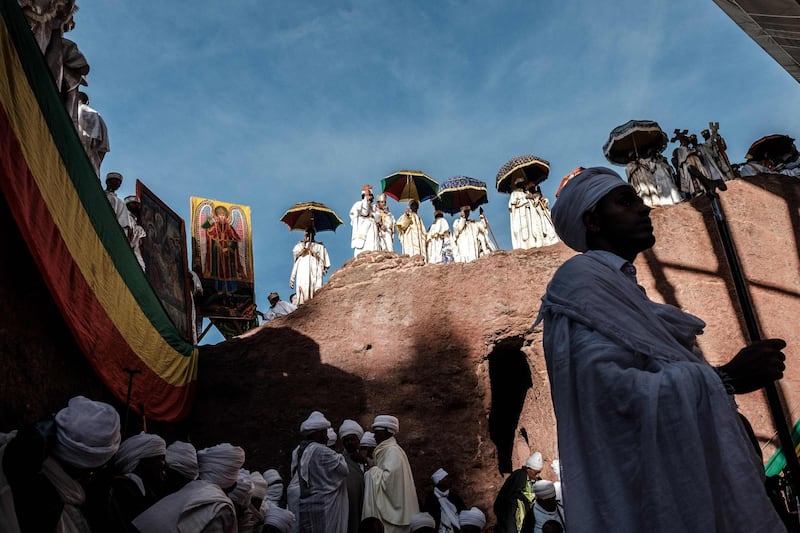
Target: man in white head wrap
x: 546, y: 507
x: 274, y: 486
x: 629, y: 386
x: 318, y: 490
x: 422, y: 523
x: 277, y: 520
x: 389, y: 491
x: 367, y: 446
x: 182, y: 466
x: 443, y: 503
x: 386, y: 225
x: 140, y: 461
x: 472, y: 520
x: 350, y: 433
x: 514, y: 501
x: 364, y: 219
x: 471, y: 237
x: 411, y: 230
x: 201, y: 505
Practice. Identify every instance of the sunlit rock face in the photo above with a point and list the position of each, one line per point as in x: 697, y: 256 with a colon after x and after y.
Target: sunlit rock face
x: 448, y: 349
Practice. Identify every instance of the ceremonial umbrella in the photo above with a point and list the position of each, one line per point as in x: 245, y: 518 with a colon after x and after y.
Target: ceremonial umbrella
x: 307, y: 215
x: 528, y: 167
x: 634, y: 139
x: 460, y: 191
x: 773, y: 147
x: 406, y: 185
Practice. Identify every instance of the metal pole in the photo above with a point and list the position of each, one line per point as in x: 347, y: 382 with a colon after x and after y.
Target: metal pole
x: 131, y: 372
x: 751, y: 322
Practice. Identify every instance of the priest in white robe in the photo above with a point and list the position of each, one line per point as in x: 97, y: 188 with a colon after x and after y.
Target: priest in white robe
x: 389, y: 491
x: 364, y: 219
x: 412, y: 232
x: 520, y: 208
x: 126, y: 222
x: 386, y: 225
x: 93, y: 132
x: 319, y: 476
x: 439, y: 240
x: 471, y: 237
x: 311, y: 263
x: 648, y: 431
x: 654, y: 180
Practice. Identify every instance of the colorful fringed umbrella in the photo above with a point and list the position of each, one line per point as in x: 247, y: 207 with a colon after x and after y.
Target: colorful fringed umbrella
x: 315, y: 215
x: 406, y: 185
x: 527, y: 167
x: 460, y: 191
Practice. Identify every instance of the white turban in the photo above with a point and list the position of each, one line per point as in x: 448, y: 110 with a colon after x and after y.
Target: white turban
x: 87, y: 433
x: 274, y: 485
x: 438, y: 476
x: 138, y: 447
x: 220, y: 464
x: 182, y: 458
x: 332, y: 437
x: 580, y: 194
x: 387, y: 422
x: 282, y: 519
x: 241, y: 493
x: 534, y: 461
x: 544, y: 489
x: 421, y: 520
x: 259, y: 485
x: 315, y: 422
x: 368, y: 440
x: 472, y: 517
x: 350, y: 427
x: 556, y: 466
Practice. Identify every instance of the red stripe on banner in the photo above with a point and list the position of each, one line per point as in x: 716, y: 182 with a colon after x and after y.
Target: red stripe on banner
x: 74, y: 296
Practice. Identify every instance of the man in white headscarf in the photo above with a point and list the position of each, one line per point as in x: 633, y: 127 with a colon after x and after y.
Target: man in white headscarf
x: 93, y: 132
x: 274, y: 487
x: 413, y: 237
x: 141, y: 468
x: 546, y: 506
x: 389, y: 491
x: 201, y: 505
x: 443, y: 503
x: 318, y: 490
x: 472, y: 520
x: 350, y: 433
x: 471, y: 237
x: 278, y: 520
x: 439, y: 242
x: 364, y: 219
x: 124, y: 219
x: 386, y: 225
x: 181, y: 458
x: 311, y: 263
x: 512, y: 506
x: 630, y: 386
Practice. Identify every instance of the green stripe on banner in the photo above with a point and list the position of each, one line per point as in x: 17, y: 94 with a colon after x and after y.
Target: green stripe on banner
x: 777, y: 462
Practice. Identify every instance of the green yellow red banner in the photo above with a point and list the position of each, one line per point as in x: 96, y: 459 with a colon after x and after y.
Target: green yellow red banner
x: 75, y: 240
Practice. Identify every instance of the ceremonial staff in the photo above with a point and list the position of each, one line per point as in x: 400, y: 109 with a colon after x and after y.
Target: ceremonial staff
x: 753, y: 329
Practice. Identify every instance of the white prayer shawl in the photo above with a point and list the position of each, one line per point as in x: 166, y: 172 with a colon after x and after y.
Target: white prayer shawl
x: 311, y: 261
x: 363, y: 218
x: 386, y: 229
x: 279, y: 309
x: 471, y: 240
x: 652, y: 179
x: 124, y: 217
x: 438, y: 240
x: 412, y: 235
x: 137, y: 234
x: 541, y: 516
x: 198, y: 506
x: 521, y: 212
x: 389, y: 491
x: 323, y: 504
x: 449, y: 518
x: 641, y: 418
x: 685, y: 157
x: 71, y: 494
x: 94, y: 135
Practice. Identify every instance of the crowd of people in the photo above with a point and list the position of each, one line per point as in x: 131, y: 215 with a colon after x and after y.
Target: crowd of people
x: 75, y: 473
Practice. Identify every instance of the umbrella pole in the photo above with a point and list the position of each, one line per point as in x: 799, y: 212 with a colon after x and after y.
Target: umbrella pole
x: 753, y: 329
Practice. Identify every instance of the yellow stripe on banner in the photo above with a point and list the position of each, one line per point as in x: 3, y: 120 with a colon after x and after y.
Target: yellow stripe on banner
x: 77, y: 231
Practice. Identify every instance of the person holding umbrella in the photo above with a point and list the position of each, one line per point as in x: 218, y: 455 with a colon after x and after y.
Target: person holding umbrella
x: 311, y: 263
x: 413, y: 237
x: 471, y: 237
x: 364, y: 219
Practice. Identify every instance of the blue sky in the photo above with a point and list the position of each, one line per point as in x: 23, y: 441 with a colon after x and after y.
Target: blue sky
x: 269, y: 103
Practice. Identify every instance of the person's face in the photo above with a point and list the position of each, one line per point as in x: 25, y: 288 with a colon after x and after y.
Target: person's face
x: 445, y: 483
x: 382, y: 204
x: 381, y: 435
x: 350, y: 443
x: 465, y: 212
x: 620, y: 223
x: 366, y: 451
x: 112, y: 184
x: 153, y: 469
x: 532, y: 473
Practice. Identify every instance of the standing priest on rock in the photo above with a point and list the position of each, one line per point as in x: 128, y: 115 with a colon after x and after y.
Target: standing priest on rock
x: 364, y: 219
x: 648, y: 430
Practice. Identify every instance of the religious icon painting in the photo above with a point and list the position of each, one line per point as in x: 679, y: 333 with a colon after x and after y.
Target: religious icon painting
x: 222, y: 257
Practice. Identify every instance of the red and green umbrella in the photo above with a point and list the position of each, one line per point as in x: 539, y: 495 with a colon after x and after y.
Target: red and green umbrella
x: 406, y: 185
